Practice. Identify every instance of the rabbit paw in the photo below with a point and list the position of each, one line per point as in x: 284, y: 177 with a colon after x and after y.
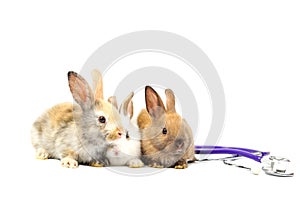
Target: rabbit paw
x: 97, y: 164
x: 156, y: 165
x: 135, y: 163
x: 69, y: 163
x: 42, y: 154
x: 181, y: 165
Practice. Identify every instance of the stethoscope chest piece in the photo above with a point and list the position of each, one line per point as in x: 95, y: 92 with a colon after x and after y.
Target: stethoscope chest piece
x: 277, y: 166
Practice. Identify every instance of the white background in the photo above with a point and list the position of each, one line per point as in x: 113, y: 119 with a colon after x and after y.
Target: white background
x: 254, y: 45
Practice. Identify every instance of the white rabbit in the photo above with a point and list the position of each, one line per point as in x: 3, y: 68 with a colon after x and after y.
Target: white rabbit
x: 126, y: 149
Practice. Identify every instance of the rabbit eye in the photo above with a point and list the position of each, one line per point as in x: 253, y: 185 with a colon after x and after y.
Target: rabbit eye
x: 127, y: 135
x: 164, y: 131
x: 102, y: 119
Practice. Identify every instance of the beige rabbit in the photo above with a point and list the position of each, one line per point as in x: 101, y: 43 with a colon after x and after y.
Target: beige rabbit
x: 78, y: 133
x: 167, y: 139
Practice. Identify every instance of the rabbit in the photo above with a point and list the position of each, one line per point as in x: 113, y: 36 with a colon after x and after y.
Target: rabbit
x: 125, y: 150
x: 76, y: 133
x: 167, y: 139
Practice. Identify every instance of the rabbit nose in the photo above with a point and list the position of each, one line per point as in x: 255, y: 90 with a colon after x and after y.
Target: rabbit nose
x: 179, y: 143
x: 119, y: 134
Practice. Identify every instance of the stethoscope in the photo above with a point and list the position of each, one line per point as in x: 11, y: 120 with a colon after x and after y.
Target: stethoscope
x: 271, y: 165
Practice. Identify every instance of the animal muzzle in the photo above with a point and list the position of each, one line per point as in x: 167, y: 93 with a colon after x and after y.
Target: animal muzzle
x: 179, y: 146
x: 114, y: 135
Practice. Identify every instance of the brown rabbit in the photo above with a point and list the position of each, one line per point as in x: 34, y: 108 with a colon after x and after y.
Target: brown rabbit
x: 167, y: 139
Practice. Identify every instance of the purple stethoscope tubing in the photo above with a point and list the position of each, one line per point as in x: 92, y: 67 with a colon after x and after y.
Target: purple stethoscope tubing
x: 245, y: 152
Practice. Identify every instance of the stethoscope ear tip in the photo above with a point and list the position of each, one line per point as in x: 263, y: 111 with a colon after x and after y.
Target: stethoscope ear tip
x: 256, y: 170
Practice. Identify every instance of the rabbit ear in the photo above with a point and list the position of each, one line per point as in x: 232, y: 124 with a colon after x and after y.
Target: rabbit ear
x: 154, y: 104
x: 170, y: 101
x: 126, y: 107
x: 98, y: 84
x: 80, y: 90
x: 113, y: 101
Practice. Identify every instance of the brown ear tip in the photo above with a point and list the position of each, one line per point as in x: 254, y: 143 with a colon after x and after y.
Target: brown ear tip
x: 150, y: 90
x: 169, y: 91
x: 72, y: 73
